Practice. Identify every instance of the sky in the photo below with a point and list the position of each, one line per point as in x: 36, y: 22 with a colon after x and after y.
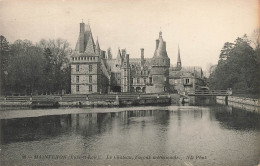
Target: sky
x: 200, y: 27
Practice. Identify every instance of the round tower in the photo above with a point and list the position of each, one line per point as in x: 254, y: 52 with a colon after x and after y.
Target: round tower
x: 159, y: 74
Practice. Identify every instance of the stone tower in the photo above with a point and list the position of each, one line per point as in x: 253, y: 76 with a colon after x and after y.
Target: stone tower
x: 159, y: 74
x: 125, y: 72
x: 85, y: 64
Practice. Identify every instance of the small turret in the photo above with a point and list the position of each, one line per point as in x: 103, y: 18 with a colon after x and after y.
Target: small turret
x: 97, y: 49
x: 109, y: 54
x: 125, y: 72
x: 119, y: 57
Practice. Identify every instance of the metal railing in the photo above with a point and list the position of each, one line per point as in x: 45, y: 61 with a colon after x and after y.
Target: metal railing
x: 210, y: 93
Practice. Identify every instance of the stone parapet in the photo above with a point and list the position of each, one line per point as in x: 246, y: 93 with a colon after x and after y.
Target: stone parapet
x: 241, y: 100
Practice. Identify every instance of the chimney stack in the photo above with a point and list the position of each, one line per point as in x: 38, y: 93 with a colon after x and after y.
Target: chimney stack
x: 127, y: 59
x: 82, y: 27
x: 142, y: 57
x: 157, y: 43
x: 81, y: 37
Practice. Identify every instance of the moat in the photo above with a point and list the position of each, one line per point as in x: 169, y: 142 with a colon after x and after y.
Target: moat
x: 155, y: 135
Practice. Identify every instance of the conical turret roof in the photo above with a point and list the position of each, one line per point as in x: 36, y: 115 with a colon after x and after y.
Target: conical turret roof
x: 161, y: 50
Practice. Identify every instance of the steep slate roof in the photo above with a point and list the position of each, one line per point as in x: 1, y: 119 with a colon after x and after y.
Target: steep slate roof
x: 89, y: 44
x: 186, y: 71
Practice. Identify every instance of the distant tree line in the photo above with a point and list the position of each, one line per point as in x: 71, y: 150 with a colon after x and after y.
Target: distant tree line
x: 34, y: 68
x: 238, y: 67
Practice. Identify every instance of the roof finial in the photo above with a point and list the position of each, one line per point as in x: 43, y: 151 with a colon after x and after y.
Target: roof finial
x: 160, y: 33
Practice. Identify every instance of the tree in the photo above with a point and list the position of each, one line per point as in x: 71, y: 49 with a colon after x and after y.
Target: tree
x: 240, y: 69
x: 57, y: 64
x: 26, y: 67
x: 255, y: 38
x: 39, y: 68
x: 226, y: 50
x: 4, y: 52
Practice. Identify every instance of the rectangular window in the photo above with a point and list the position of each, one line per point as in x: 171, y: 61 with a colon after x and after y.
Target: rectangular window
x: 150, y: 79
x: 187, y: 81
x: 90, y: 68
x: 132, y: 80
x: 90, y: 79
x: 144, y: 80
x: 90, y: 88
x: 138, y: 80
x: 77, y: 79
x: 77, y: 88
x: 77, y: 67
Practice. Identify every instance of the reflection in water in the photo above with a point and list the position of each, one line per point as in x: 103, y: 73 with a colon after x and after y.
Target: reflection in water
x: 226, y: 136
x: 234, y: 118
x: 30, y: 129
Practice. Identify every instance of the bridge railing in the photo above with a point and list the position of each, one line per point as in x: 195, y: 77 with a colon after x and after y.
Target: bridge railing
x: 210, y: 92
x: 81, y: 97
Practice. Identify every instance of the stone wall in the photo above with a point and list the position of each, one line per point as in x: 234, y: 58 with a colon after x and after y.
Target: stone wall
x: 84, y: 68
x: 84, y: 80
x: 84, y: 89
x: 155, y: 89
x: 241, y: 100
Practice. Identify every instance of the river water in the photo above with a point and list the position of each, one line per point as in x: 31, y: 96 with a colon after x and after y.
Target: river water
x: 168, y: 135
